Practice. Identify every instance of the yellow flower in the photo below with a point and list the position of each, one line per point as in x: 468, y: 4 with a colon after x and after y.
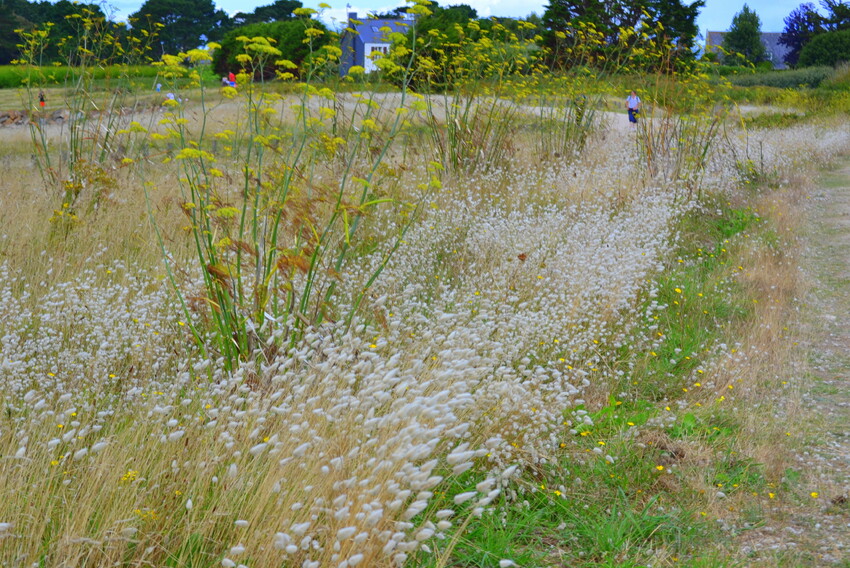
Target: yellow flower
x: 227, y: 212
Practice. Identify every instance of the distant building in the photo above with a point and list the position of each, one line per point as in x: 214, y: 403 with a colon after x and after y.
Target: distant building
x: 775, y: 50
x: 365, y: 40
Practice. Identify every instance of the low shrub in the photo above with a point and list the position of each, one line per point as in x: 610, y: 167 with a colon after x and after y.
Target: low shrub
x: 830, y: 48
x: 14, y: 76
x: 727, y: 70
x: 774, y: 120
x: 839, y: 80
x: 786, y: 79
x: 288, y: 37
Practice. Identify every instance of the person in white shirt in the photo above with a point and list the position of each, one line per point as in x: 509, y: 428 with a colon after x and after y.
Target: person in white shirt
x: 633, y: 106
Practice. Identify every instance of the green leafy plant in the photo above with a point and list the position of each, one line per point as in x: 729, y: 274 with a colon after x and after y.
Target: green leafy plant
x: 92, y: 134
x: 271, y: 254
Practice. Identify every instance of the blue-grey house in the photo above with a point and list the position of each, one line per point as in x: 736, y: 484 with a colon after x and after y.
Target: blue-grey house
x: 775, y: 51
x: 363, y: 41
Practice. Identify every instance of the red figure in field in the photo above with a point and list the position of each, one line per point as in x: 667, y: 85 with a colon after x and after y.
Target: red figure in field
x: 41, y: 100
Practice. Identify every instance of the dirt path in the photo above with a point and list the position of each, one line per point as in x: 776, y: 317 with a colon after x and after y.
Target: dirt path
x: 810, y: 526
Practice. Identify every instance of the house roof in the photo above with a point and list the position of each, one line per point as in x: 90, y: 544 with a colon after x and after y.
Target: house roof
x: 374, y: 30
x: 775, y: 50
x: 713, y: 39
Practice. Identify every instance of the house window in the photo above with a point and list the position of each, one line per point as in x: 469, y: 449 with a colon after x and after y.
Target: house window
x: 372, y: 52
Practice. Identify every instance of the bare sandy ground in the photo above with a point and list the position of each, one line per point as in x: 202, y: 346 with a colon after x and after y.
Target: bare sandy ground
x: 812, y: 525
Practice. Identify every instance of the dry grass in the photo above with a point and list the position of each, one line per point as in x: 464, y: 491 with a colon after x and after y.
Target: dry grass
x: 512, y: 292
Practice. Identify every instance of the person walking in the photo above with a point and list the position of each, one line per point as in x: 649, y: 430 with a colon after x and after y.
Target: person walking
x: 633, y: 106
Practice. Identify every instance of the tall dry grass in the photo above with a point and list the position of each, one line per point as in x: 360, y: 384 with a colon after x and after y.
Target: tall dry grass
x: 507, y: 305
x: 132, y: 448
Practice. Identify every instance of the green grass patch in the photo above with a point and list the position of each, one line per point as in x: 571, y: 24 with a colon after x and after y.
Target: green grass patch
x: 581, y: 509
x: 491, y: 538
x: 193, y: 551
x: 618, y: 494
x: 734, y: 473
x: 642, y: 506
x: 698, y: 300
x: 623, y: 532
x: 775, y: 120
x: 508, y: 530
x: 15, y: 76
x: 693, y: 427
x: 810, y: 77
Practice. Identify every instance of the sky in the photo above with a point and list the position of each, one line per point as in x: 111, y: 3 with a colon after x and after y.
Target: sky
x: 715, y: 16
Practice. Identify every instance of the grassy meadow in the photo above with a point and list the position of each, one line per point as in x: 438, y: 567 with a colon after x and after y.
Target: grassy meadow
x: 322, y: 324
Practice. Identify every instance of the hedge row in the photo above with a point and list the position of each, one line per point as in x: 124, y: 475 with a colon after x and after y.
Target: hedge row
x: 13, y: 76
x: 785, y: 79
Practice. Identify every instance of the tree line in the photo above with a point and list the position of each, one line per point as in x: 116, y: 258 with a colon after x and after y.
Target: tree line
x: 815, y: 38
x: 181, y: 25
x: 811, y: 37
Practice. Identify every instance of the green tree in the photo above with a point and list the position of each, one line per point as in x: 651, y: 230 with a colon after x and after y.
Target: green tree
x: 560, y: 15
x: 10, y: 21
x: 288, y: 36
x: 399, y: 12
x: 679, y: 21
x: 830, y: 48
x: 837, y: 15
x: 801, y: 25
x: 186, y: 24
x: 610, y: 17
x: 62, y: 17
x: 278, y: 11
x: 445, y: 25
x: 528, y: 27
x: 743, y: 40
